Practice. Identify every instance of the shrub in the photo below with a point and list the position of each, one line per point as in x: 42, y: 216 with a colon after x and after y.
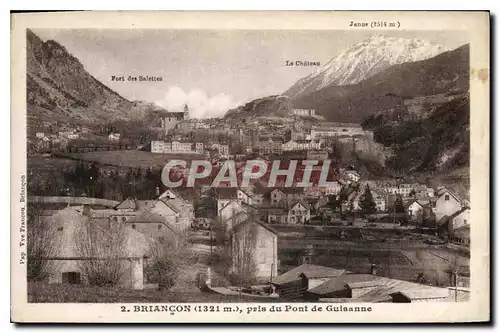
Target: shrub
x: 167, y: 262
x: 103, y: 247
x: 42, y: 243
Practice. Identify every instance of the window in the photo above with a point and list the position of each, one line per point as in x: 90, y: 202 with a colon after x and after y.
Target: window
x: 465, y: 221
x: 159, y: 226
x: 60, y: 229
x: 115, y: 218
x: 446, y: 197
x: 124, y: 219
x: 133, y: 226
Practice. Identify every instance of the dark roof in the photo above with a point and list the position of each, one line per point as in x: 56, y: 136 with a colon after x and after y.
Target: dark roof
x: 445, y: 189
x: 252, y: 220
x: 309, y: 271
x: 249, y: 207
x: 245, y: 192
x: 149, y: 217
x: 169, y: 204
x: 229, y: 202
x: 443, y: 220
x: 339, y: 283
x: 447, y: 218
x: 260, y: 189
x: 128, y: 203
x: 302, y: 202
x: 225, y: 192
x: 424, y: 294
x: 382, y: 287
x: 277, y: 211
x: 292, y: 190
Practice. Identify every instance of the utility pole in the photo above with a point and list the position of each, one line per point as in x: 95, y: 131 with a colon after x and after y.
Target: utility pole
x: 394, y: 213
x: 456, y: 283
x: 210, y: 244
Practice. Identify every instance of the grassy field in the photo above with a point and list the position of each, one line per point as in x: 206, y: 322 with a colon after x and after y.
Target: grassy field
x: 115, y: 158
x: 66, y: 293
x: 129, y: 158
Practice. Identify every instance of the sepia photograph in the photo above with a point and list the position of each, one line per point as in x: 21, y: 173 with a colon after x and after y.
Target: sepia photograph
x: 175, y: 170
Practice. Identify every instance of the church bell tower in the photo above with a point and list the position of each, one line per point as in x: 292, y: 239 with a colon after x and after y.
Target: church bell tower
x: 186, y: 112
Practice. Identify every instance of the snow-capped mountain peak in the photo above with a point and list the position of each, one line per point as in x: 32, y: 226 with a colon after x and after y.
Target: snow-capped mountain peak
x: 365, y: 59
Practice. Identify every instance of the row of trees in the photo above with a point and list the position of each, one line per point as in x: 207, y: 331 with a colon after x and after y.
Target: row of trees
x: 366, y: 200
x: 90, y: 180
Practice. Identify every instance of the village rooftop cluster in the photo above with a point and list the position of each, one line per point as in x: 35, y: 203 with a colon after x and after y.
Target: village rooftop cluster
x: 262, y: 209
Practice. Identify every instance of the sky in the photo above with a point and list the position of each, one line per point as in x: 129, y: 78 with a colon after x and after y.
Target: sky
x: 212, y: 70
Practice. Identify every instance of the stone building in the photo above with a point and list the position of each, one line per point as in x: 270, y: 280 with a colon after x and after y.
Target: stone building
x: 171, y: 119
x: 254, y: 250
x: 82, y: 242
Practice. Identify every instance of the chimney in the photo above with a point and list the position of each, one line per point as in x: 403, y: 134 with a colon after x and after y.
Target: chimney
x: 373, y: 270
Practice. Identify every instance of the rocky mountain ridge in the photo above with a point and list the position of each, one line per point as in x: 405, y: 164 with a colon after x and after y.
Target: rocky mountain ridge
x: 363, y: 60
x: 59, y: 87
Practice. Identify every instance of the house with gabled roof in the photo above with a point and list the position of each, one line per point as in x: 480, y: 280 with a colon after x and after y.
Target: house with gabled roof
x: 414, y: 209
x: 275, y: 215
x: 231, y: 208
x: 299, y: 213
x: 224, y: 195
x: 373, y: 289
x: 169, y: 205
x: 277, y: 197
x: 244, y: 195
x: 180, y: 214
x: 417, y: 296
x: 169, y: 194
x: 447, y: 203
x: 284, y: 196
x: 82, y: 237
x: 461, y: 218
x: 298, y: 280
x: 254, y: 250
x: 154, y: 226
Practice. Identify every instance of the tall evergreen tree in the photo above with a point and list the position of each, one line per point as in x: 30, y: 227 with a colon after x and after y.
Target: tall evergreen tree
x: 366, y: 202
